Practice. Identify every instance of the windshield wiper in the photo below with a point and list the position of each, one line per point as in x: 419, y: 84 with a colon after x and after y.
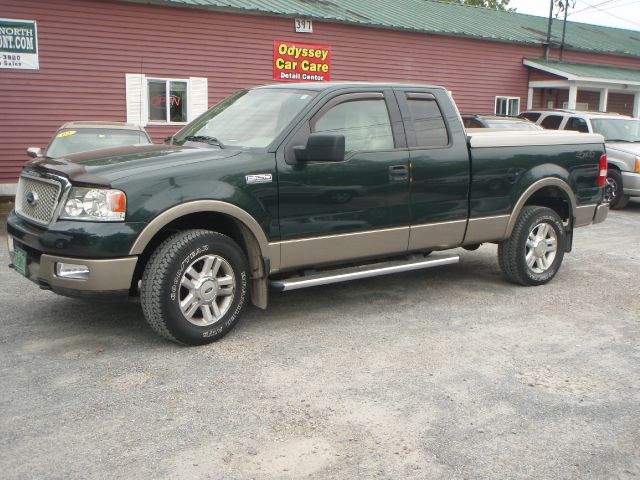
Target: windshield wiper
x: 619, y: 140
x: 204, y: 139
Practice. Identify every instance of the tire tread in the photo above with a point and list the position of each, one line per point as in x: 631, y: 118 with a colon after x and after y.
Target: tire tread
x: 156, y: 272
x: 508, y: 250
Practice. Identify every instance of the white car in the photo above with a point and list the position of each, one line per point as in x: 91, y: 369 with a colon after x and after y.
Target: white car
x: 622, y: 137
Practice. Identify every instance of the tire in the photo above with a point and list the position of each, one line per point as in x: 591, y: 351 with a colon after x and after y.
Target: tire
x: 195, y: 263
x: 521, y: 258
x: 613, y: 194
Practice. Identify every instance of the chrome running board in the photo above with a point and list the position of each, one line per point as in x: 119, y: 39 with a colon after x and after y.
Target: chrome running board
x: 364, y: 271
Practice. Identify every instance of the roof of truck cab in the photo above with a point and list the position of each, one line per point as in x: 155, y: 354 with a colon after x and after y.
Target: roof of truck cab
x: 322, y: 86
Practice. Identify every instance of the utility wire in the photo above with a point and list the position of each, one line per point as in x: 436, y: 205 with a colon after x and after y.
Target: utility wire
x: 602, y: 3
x: 607, y: 13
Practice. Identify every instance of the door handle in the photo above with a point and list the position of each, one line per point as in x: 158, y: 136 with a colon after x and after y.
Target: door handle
x: 399, y: 173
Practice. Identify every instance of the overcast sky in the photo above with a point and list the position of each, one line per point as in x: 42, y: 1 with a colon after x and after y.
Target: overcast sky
x: 612, y: 13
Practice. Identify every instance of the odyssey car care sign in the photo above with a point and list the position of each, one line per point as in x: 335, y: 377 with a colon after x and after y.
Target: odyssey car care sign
x: 301, y: 62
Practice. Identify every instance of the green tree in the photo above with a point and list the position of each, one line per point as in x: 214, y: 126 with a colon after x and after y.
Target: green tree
x: 493, y: 4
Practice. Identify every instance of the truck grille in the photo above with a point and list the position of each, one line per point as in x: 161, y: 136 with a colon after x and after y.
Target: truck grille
x: 37, y: 198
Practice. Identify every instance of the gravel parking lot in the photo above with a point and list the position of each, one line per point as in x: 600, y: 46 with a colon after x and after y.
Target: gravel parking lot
x: 443, y: 373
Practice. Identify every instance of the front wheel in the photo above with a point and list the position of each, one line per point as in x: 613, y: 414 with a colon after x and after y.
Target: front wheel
x: 194, y: 287
x: 534, y: 252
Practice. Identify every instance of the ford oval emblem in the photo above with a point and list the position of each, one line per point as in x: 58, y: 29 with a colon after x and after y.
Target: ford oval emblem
x: 31, y: 198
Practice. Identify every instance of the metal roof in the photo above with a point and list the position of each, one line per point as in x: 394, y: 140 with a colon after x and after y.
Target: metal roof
x: 586, y: 72
x: 435, y: 17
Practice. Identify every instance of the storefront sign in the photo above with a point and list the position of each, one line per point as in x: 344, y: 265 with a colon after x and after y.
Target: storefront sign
x: 18, y: 44
x: 301, y: 62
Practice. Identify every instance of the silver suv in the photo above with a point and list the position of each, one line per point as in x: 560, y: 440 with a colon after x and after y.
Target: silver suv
x: 622, y: 137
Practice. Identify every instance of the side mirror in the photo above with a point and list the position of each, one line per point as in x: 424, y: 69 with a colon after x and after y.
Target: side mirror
x: 322, y: 147
x: 34, y: 152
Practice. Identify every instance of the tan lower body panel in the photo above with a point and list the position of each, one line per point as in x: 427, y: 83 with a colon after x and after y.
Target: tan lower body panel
x: 486, y: 229
x: 104, y: 274
x: 437, y: 235
x: 602, y: 211
x: 584, y: 215
x: 337, y: 248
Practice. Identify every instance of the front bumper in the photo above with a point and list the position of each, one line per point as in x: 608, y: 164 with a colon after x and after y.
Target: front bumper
x: 631, y: 183
x: 108, y: 279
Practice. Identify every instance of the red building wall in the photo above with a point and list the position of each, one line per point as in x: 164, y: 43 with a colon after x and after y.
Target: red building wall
x: 87, y: 46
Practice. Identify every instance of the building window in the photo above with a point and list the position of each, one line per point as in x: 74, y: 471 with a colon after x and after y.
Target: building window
x: 507, y: 106
x: 581, y: 106
x: 167, y: 100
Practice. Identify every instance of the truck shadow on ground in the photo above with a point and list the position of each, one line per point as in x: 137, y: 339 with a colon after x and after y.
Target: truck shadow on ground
x: 120, y: 324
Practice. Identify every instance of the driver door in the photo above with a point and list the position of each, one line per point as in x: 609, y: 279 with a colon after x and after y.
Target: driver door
x: 356, y: 208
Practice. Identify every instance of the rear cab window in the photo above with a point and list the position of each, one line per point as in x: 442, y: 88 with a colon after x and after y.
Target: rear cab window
x: 531, y: 116
x: 552, y: 122
x: 577, y: 124
x: 428, y: 121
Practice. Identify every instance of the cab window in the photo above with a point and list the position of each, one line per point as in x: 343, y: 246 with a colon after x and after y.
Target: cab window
x: 428, y: 122
x: 365, y: 124
x: 531, y: 116
x: 552, y: 122
x: 577, y: 124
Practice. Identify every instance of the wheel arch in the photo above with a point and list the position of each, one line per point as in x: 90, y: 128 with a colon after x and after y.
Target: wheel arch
x: 234, y: 222
x: 616, y: 163
x: 547, y: 192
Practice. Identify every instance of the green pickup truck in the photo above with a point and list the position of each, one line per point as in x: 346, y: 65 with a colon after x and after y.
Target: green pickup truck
x: 291, y: 186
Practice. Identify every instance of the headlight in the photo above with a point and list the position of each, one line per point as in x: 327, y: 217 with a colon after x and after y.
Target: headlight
x: 95, y: 204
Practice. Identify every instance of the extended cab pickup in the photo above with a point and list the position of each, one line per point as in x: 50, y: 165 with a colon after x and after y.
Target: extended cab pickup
x: 290, y: 186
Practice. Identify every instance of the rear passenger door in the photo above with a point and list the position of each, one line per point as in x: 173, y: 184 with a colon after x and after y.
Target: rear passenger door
x: 440, y: 168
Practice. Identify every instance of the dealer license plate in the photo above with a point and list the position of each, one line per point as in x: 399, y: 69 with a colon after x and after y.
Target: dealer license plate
x: 20, y: 260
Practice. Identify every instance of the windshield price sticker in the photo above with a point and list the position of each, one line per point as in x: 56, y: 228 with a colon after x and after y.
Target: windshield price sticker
x: 66, y: 133
x: 295, y: 62
x: 18, y: 44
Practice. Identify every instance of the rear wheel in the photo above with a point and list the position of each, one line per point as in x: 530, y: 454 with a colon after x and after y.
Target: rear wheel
x: 194, y: 287
x: 534, y: 252
x: 613, y: 193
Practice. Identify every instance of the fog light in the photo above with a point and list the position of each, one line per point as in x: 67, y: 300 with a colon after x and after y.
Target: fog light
x: 70, y: 270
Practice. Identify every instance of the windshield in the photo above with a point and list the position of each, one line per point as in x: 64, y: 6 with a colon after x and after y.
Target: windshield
x: 250, y: 118
x: 512, y: 125
x: 617, y: 129
x: 78, y: 140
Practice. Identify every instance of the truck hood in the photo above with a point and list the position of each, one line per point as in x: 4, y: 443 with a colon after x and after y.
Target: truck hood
x: 631, y: 148
x: 101, y: 167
